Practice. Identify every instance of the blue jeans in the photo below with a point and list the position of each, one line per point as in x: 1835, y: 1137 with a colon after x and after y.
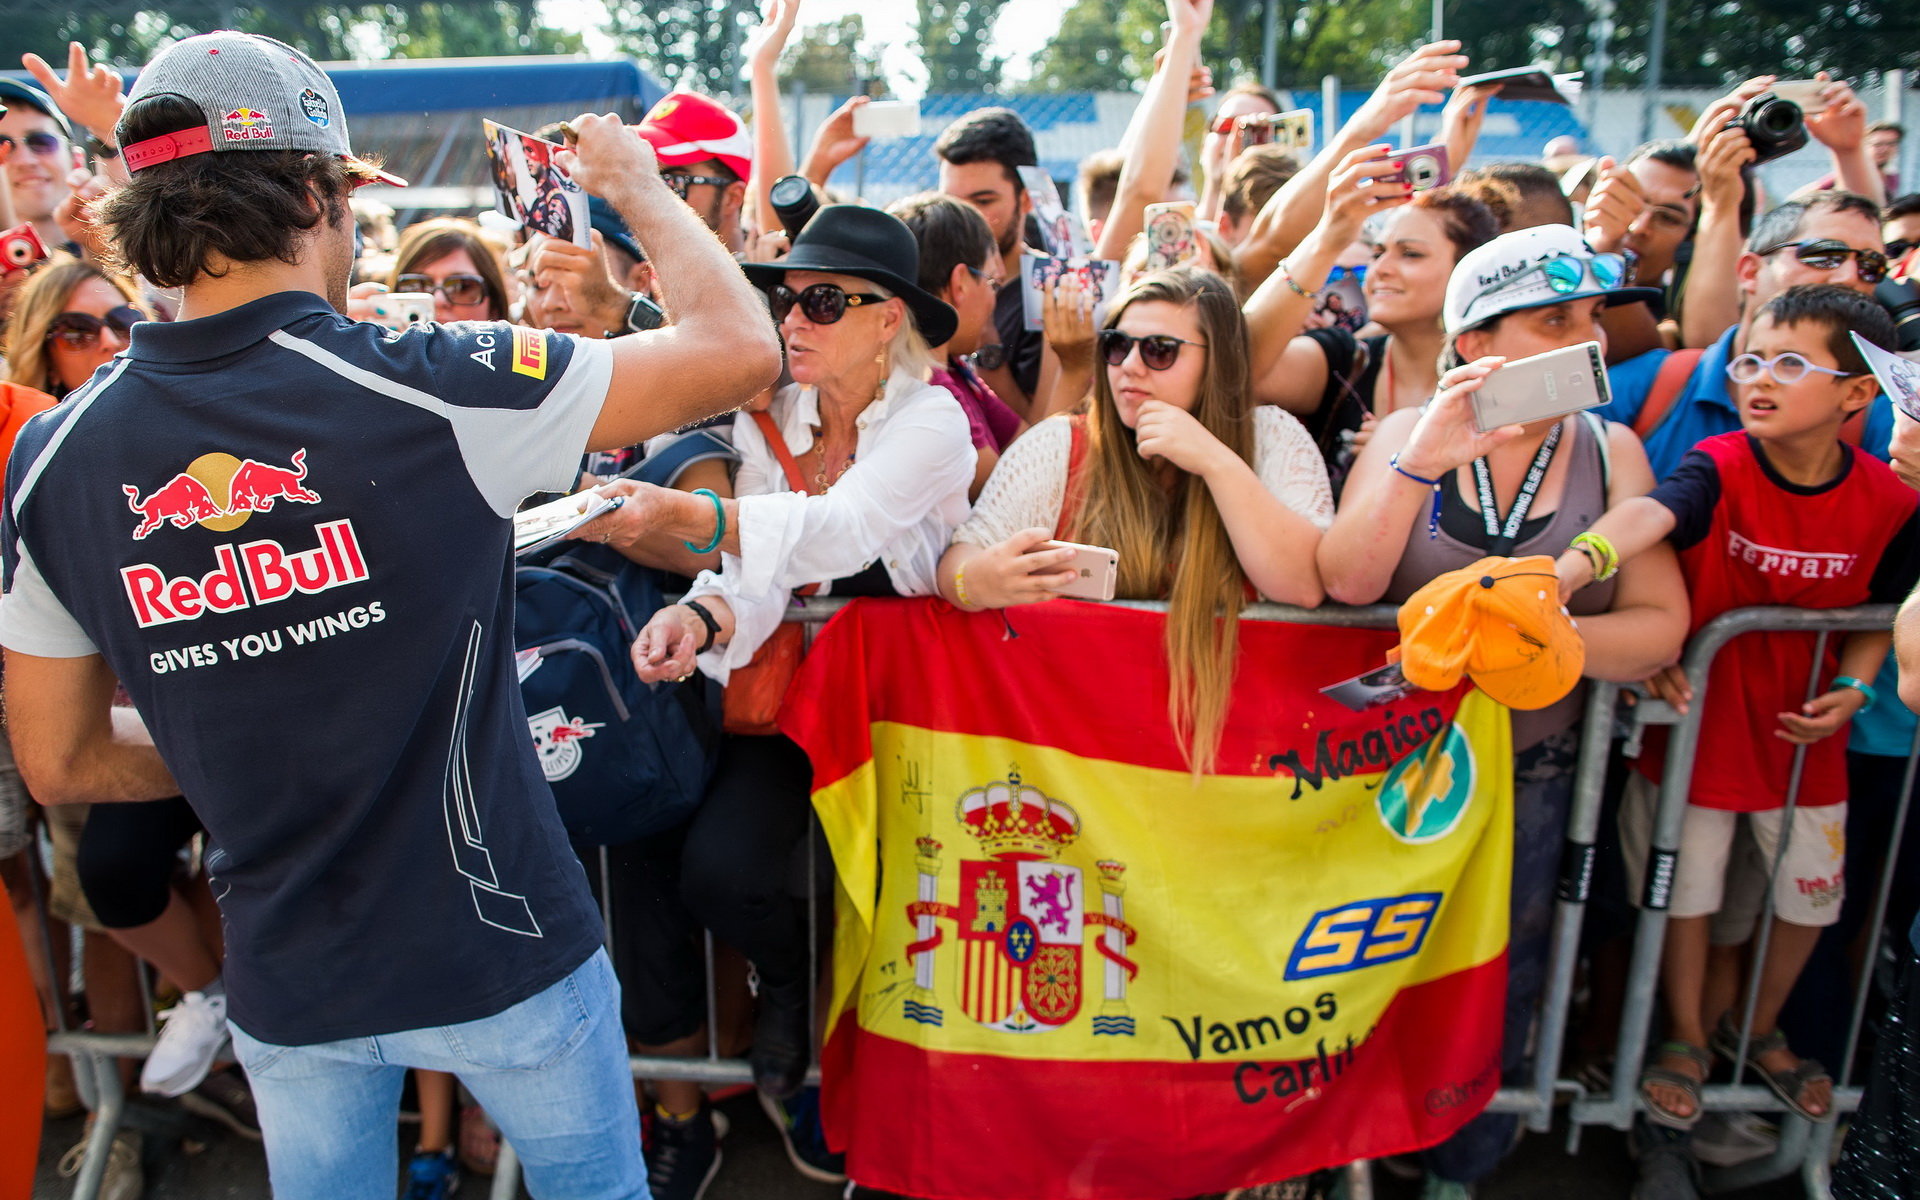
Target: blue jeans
x: 551, y: 1071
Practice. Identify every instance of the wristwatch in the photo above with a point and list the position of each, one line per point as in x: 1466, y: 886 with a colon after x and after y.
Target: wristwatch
x: 100, y: 149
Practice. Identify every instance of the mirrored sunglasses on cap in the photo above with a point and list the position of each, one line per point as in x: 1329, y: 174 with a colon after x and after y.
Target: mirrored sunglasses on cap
x: 1569, y: 274
x: 454, y: 289
x: 81, y: 331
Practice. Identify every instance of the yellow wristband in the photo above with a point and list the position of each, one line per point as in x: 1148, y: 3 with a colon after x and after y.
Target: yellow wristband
x: 1600, y: 552
x: 960, y: 587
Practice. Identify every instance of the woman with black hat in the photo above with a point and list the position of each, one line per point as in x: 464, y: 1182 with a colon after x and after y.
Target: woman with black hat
x: 853, y: 480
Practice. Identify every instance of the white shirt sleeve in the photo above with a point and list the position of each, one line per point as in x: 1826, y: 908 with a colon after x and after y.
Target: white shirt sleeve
x: 511, y: 453
x: 1289, y: 464
x: 33, y: 621
x: 1027, y: 487
x: 918, y: 461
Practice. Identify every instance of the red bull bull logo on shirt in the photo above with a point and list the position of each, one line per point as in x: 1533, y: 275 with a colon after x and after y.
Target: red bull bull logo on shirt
x: 220, y: 492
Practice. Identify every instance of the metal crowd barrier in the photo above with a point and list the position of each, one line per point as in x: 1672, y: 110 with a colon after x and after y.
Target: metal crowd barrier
x: 1804, y: 1146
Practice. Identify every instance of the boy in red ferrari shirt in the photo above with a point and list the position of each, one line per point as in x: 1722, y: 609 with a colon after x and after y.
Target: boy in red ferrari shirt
x: 1781, y: 513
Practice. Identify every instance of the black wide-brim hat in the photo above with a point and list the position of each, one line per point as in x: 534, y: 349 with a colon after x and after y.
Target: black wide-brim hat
x: 852, y: 239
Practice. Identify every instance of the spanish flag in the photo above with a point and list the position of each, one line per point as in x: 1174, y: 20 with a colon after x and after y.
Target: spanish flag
x: 1065, y: 967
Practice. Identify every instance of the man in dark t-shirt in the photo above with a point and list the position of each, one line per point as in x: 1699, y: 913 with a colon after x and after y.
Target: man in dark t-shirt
x: 297, y: 561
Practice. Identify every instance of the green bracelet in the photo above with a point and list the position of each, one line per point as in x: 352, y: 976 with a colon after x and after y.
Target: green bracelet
x: 719, y: 523
x: 1858, y: 685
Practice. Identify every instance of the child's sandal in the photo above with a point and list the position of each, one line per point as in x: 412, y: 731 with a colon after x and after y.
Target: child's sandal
x: 1787, y: 1084
x: 1654, y: 1075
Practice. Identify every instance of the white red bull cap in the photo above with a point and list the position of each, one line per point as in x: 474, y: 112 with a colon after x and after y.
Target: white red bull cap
x: 257, y: 94
x: 1531, y: 268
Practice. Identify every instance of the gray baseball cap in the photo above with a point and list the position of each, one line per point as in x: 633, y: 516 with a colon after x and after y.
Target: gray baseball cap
x: 256, y: 93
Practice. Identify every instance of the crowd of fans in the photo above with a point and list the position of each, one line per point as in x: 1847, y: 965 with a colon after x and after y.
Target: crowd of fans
x: 1212, y: 427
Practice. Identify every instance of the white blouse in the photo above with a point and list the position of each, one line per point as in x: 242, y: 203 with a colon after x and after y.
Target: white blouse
x: 898, y: 503
x: 1029, y: 483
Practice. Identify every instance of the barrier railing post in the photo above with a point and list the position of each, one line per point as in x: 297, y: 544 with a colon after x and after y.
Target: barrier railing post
x: 1576, y: 884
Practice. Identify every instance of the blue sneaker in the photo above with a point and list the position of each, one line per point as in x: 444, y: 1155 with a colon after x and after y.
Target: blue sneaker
x: 432, y: 1175
x: 798, y: 1121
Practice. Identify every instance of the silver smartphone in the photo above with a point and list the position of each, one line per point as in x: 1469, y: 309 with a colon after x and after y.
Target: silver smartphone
x: 1095, y: 569
x: 1546, y: 385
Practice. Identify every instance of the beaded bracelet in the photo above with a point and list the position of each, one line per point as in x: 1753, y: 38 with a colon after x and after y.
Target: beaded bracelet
x: 1286, y: 276
x: 719, y: 523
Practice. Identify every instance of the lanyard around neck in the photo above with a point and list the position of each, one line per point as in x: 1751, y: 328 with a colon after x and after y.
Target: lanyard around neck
x: 1502, y: 538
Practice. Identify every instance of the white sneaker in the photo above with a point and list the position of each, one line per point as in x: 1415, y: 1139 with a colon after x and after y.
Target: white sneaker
x: 195, y: 1030
x: 122, y: 1180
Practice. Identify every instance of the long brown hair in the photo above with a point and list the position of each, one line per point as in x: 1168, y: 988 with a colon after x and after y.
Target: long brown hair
x: 41, y: 300
x: 427, y: 242
x: 1173, y: 543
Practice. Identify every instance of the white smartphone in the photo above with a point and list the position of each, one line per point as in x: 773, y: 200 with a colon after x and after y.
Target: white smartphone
x: 397, y: 310
x: 1803, y: 92
x: 1553, y: 384
x: 887, y: 119
x: 1096, y: 569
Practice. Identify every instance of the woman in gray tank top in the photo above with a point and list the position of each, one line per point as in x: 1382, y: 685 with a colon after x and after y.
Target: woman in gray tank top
x: 1429, y: 494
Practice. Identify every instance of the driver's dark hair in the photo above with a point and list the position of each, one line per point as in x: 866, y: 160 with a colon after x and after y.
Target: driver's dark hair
x: 243, y: 206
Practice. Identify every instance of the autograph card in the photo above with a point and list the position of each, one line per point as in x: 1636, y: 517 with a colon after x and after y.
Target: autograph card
x: 532, y: 189
x: 1100, y: 276
x: 1899, y: 377
x: 1065, y: 236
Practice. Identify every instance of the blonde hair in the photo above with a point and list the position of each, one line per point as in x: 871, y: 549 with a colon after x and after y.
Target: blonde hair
x: 1124, y: 506
x: 909, y: 350
x: 41, y: 300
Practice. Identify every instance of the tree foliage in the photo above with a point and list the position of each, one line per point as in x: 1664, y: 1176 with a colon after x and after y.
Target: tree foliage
x: 826, y: 57
x: 954, y: 36
x: 1108, y: 44
x: 696, y: 44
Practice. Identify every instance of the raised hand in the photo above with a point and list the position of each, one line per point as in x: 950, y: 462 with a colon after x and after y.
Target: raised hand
x: 1358, y: 189
x: 1423, y: 77
x: 1444, y: 438
x: 90, y: 95
x: 1616, y: 202
x: 769, y: 39
x: 607, y: 158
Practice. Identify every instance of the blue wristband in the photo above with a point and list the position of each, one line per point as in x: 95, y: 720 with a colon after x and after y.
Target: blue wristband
x: 1858, y: 685
x: 719, y: 523
x: 1433, y: 514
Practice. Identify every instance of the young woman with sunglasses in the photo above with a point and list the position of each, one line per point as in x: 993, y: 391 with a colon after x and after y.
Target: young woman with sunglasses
x: 450, y: 259
x: 1428, y: 494
x: 1205, y: 496
x: 70, y: 319
x: 1339, y: 385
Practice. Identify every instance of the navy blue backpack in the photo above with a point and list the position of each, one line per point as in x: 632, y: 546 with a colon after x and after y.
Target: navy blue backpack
x: 624, y: 759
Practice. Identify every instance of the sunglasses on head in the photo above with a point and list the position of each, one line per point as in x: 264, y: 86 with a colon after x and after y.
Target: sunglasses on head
x: 45, y: 144
x: 81, y: 331
x: 1567, y: 274
x: 455, y: 289
x: 1157, y: 350
x: 1786, y: 367
x: 823, y: 303
x: 682, y: 183
x: 1827, y: 254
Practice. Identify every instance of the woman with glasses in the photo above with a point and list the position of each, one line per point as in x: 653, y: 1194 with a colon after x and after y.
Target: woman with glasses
x: 1205, y: 496
x: 451, y: 260
x: 1429, y: 494
x: 850, y: 484
x: 70, y: 320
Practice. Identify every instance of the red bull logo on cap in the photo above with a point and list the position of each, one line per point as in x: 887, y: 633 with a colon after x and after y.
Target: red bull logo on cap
x: 220, y: 492
x: 246, y: 125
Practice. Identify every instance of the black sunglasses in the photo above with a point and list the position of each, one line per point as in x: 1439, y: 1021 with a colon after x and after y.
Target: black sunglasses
x: 1826, y: 254
x: 81, y: 331
x: 1157, y: 350
x: 682, y: 183
x: 39, y: 141
x: 457, y: 289
x: 1899, y: 249
x: 823, y: 303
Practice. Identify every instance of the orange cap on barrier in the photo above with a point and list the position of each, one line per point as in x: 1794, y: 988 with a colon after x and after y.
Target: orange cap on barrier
x: 1500, y: 623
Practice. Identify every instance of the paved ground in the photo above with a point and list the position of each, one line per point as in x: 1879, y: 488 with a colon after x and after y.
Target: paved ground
x: 755, y: 1166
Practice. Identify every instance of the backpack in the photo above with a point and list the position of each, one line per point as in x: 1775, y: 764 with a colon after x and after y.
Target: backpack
x: 1672, y: 380
x: 624, y: 759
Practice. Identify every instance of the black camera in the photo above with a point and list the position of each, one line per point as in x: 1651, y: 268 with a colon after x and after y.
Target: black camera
x: 1901, y: 299
x: 1775, y: 127
x: 793, y: 197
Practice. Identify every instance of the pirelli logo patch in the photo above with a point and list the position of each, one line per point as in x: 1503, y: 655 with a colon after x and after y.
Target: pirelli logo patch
x: 530, y: 352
